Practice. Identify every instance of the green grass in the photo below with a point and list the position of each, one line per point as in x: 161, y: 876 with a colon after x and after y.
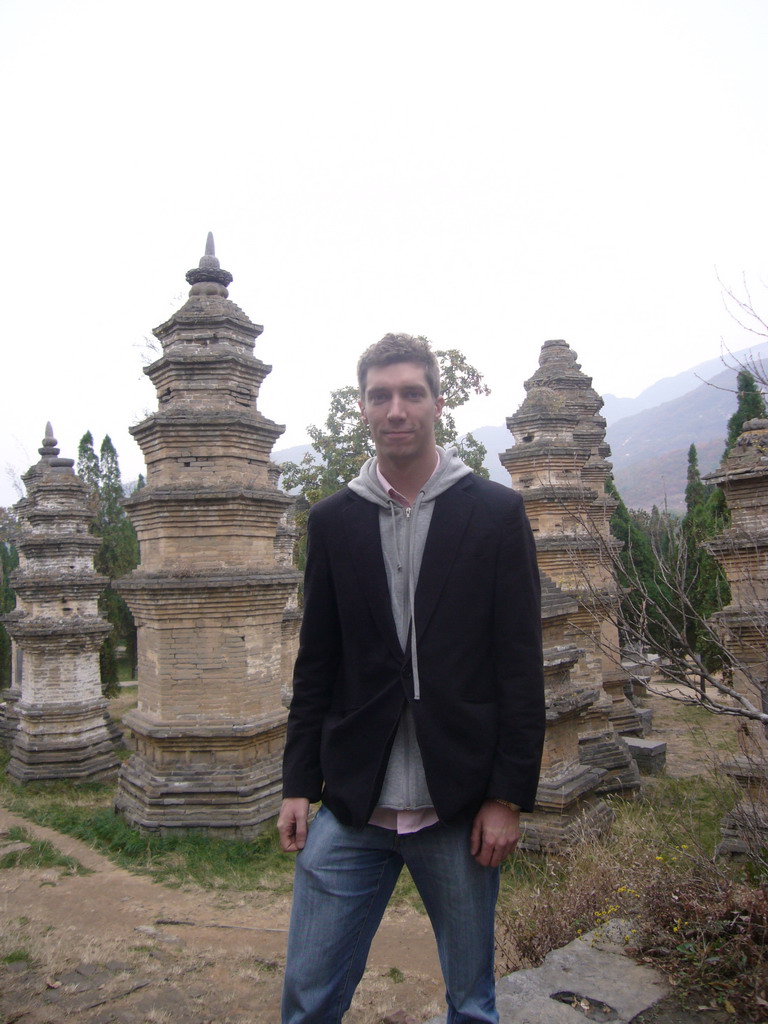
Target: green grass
x: 85, y: 812
x: 680, y: 810
x: 124, y: 672
x: 698, y: 721
x: 687, y: 810
x: 16, y: 956
x: 41, y: 854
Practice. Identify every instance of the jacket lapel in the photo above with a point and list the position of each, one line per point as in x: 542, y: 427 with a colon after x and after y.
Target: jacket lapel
x: 361, y: 527
x: 452, y: 512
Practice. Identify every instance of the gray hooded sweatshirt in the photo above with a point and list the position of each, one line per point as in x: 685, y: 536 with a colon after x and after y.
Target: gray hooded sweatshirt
x: 403, y: 535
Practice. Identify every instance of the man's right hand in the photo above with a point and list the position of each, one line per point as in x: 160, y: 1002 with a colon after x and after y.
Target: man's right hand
x: 292, y: 824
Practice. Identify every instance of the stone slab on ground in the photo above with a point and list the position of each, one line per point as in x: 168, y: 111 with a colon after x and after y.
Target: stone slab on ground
x: 591, y: 978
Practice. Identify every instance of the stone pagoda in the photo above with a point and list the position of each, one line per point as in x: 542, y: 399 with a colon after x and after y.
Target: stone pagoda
x: 211, y: 592
x: 62, y: 730
x: 559, y: 465
x: 567, y: 806
x: 742, y: 550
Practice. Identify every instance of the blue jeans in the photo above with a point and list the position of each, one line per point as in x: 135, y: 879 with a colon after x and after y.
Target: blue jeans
x: 344, y: 879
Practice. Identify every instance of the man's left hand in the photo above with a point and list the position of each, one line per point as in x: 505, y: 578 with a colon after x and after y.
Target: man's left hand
x: 495, y: 833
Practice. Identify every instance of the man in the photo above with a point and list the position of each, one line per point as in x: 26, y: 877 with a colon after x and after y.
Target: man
x: 418, y: 711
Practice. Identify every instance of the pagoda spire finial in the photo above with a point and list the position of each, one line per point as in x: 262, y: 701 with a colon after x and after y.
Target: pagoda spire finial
x: 50, y: 452
x: 207, y: 278
x: 49, y: 449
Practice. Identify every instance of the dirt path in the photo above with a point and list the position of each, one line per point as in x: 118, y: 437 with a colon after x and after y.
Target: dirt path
x: 146, y: 952
x: 111, y: 947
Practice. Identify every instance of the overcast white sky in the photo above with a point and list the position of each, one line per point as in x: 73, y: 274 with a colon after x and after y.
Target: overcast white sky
x: 489, y: 174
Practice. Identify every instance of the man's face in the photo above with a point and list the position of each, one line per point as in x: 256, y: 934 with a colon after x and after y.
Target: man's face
x: 400, y: 411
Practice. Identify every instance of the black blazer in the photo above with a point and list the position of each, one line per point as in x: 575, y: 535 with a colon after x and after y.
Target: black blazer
x: 480, y: 719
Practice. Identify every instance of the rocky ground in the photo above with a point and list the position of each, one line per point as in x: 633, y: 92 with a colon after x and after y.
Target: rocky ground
x: 110, y: 947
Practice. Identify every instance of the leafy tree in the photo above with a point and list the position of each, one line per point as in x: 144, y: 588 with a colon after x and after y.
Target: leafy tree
x: 118, y: 554
x: 340, y: 450
x: 459, y: 380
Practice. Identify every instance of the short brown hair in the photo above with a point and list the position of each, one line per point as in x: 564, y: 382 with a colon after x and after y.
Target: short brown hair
x: 400, y: 348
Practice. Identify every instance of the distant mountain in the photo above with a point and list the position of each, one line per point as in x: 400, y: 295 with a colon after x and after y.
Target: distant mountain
x: 669, y: 388
x: 294, y: 454
x: 649, y: 450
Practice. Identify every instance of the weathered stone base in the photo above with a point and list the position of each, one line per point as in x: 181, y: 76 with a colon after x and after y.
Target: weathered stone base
x: 9, y: 718
x: 65, y: 741
x: 610, y: 751
x: 556, y: 833
x: 744, y: 830
x: 560, y: 793
x: 202, y: 778
x: 623, y: 713
x: 751, y: 773
x: 650, y: 755
x: 567, y: 811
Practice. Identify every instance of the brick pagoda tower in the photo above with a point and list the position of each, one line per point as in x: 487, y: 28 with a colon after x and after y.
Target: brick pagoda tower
x: 558, y: 464
x: 742, y: 550
x: 210, y: 595
x: 61, y: 730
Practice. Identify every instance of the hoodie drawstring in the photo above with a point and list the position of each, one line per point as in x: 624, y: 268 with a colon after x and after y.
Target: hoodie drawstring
x: 411, y: 526
x: 410, y: 515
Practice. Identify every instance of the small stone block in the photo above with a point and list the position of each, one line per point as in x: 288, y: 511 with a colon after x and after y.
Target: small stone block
x: 650, y: 755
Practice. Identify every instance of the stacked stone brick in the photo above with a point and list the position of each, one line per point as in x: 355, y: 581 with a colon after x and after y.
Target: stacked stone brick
x: 742, y: 550
x: 214, y: 596
x: 559, y: 465
x: 61, y: 729
x: 567, y: 806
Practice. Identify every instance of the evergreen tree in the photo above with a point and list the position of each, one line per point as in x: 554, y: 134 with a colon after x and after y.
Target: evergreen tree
x: 88, y: 468
x: 119, y: 551
x: 9, y: 559
x: 706, y: 587
x: 647, y: 597
x: 118, y: 554
x: 751, y: 406
x: 695, y: 489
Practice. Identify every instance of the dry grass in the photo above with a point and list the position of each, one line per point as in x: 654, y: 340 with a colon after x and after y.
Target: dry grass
x: 700, y: 920
x: 37, y: 942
